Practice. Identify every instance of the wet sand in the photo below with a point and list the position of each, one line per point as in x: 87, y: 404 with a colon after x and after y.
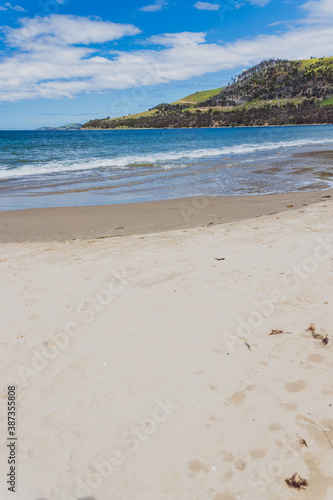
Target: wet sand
x: 68, y: 223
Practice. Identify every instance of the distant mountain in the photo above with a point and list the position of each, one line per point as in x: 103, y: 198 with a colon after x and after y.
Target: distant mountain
x: 71, y: 126
x: 274, y: 92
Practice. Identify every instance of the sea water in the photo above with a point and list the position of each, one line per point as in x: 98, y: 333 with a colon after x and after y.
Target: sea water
x: 60, y: 168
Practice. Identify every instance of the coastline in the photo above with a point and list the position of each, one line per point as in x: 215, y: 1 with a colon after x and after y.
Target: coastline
x: 208, y: 128
x: 105, y: 221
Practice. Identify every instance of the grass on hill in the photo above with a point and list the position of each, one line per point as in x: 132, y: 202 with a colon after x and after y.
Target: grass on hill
x: 322, y: 61
x: 198, y: 96
x: 327, y: 102
x: 137, y: 115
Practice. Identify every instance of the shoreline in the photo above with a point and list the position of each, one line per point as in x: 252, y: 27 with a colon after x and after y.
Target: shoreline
x: 107, y: 221
x: 201, y: 128
x: 166, y: 128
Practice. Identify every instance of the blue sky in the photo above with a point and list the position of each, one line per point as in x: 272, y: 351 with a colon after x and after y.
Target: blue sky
x: 65, y: 61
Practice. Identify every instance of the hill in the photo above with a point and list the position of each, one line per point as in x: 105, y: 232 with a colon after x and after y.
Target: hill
x: 274, y: 92
x: 278, y: 79
x: 70, y: 126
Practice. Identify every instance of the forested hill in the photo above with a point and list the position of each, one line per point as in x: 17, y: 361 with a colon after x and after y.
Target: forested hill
x: 279, y: 79
x: 274, y: 92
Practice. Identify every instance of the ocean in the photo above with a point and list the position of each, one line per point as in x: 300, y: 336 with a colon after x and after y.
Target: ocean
x: 56, y: 168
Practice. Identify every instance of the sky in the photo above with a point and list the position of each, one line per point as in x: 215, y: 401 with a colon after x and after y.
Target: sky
x: 64, y: 61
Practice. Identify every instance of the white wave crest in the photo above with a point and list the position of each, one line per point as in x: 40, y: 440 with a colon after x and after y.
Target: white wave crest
x: 161, y: 159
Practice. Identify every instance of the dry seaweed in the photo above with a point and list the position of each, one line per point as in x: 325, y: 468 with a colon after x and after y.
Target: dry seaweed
x: 312, y: 330
x: 315, y: 335
x: 297, y: 482
x: 278, y: 332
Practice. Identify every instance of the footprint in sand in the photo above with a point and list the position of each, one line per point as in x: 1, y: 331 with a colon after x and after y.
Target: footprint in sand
x: 259, y: 453
x: 237, y: 398
x: 240, y: 464
x: 315, y: 358
x: 195, y: 466
x: 275, y: 427
x: 225, y: 496
x: 295, y: 386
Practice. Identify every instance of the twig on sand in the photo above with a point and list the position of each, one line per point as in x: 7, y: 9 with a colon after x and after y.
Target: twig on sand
x: 322, y: 428
x: 302, y: 441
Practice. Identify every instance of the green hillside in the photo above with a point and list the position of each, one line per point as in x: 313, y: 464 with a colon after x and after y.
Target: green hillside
x: 319, y: 63
x: 274, y: 92
x: 198, y: 96
x: 278, y: 79
x: 327, y: 102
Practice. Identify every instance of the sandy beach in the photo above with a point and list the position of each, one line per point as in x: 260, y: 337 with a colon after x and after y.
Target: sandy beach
x: 188, y: 364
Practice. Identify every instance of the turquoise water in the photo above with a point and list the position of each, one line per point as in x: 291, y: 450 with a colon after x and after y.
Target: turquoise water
x: 51, y: 168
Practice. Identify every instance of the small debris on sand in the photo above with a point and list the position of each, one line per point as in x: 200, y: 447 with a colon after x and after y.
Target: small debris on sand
x: 312, y: 330
x: 297, y: 482
x: 315, y: 335
x: 278, y: 332
x: 302, y: 441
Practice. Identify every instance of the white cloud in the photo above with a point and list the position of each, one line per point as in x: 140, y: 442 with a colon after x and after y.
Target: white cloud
x: 177, y: 39
x: 155, y: 7
x: 259, y: 3
x: 66, y: 30
x: 55, y: 58
x: 9, y: 6
x: 231, y: 4
x: 207, y: 6
x: 319, y: 10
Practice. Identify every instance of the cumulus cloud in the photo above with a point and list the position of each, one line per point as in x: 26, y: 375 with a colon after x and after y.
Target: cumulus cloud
x: 60, y: 30
x: 207, y: 6
x: 60, y: 56
x: 155, y: 7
